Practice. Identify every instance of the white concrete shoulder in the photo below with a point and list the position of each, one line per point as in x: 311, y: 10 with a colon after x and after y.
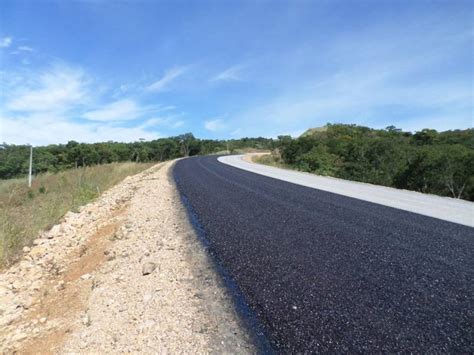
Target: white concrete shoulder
x: 445, y: 208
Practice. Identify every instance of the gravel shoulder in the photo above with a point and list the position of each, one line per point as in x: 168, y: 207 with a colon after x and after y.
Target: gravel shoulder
x: 125, y: 274
x: 445, y: 208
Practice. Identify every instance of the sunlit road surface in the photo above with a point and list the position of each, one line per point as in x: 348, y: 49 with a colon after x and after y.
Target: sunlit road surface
x: 445, y: 208
x: 326, y: 272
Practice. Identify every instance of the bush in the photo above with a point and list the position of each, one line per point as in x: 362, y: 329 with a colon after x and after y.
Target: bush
x: 428, y: 161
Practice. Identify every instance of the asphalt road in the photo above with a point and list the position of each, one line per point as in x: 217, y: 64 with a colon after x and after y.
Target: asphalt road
x: 328, y: 273
x: 441, y: 207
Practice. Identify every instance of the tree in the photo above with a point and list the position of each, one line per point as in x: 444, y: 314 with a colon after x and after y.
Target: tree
x: 185, y: 140
x: 318, y: 160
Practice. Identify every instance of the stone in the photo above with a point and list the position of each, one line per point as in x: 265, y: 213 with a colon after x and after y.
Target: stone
x: 25, y: 265
x: 19, y: 337
x: 9, y: 319
x: 36, y: 285
x: 148, y: 268
x: 27, y: 302
x: 109, y: 255
x: 86, y: 276
x: 86, y: 320
x: 38, y: 251
x: 17, y: 284
x: 60, y: 286
x: 54, y: 232
x: 70, y: 215
x: 43, y: 320
x: 26, y: 249
x: 147, y: 297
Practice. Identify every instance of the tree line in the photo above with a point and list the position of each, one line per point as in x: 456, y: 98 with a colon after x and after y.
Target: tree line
x: 14, y: 159
x: 427, y: 161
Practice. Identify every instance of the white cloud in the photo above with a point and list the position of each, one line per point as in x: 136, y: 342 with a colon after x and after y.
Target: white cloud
x: 168, y: 122
x: 41, y: 129
x: 214, y: 125
x: 230, y: 74
x: 5, y: 42
x: 25, y: 49
x: 54, y: 90
x: 43, y: 108
x: 389, y: 88
x: 122, y: 110
x: 169, y: 76
x: 367, y: 99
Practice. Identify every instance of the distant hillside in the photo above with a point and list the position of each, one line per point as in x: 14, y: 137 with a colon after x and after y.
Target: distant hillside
x: 312, y: 131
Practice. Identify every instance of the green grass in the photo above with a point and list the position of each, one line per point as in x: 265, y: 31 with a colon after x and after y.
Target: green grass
x: 24, y: 212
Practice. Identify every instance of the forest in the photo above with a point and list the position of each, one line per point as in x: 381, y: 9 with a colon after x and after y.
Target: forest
x: 14, y: 159
x: 427, y: 161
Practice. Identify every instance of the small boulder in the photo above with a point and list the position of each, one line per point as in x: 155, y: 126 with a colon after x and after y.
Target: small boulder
x: 38, y: 252
x: 148, y: 268
x: 55, y: 231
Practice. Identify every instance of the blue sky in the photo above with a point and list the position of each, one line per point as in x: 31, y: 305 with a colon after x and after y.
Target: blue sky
x: 123, y: 70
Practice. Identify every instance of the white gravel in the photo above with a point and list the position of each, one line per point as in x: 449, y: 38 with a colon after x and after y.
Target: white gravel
x: 125, y: 275
x: 445, y: 208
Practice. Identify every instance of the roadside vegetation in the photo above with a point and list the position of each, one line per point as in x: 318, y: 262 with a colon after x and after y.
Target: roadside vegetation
x: 26, y: 211
x: 58, y: 157
x: 428, y: 161
x: 70, y: 175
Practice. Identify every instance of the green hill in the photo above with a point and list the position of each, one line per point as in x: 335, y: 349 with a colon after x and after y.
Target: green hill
x: 314, y: 131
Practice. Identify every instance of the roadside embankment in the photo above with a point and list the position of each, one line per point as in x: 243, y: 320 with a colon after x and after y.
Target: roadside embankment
x: 24, y: 212
x: 124, y: 274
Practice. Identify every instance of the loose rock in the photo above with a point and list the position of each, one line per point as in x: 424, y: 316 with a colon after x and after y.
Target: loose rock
x: 148, y: 268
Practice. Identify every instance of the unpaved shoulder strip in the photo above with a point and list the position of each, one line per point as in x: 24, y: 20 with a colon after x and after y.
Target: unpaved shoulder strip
x: 445, y: 208
x: 126, y: 274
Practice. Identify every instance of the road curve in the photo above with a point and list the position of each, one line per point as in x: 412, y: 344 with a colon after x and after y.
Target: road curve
x: 329, y: 273
x: 445, y: 208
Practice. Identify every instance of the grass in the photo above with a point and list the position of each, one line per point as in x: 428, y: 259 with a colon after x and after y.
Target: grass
x: 270, y: 159
x: 24, y: 212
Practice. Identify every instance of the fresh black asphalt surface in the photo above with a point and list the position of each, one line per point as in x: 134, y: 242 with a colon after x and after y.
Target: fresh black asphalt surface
x: 328, y: 273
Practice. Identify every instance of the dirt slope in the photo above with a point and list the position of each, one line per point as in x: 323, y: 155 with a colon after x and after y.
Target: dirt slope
x: 126, y: 274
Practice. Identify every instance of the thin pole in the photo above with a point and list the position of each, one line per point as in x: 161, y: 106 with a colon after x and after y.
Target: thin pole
x: 31, y: 166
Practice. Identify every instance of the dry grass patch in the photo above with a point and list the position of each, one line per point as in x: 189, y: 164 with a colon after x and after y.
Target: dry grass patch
x: 272, y: 159
x: 24, y: 212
